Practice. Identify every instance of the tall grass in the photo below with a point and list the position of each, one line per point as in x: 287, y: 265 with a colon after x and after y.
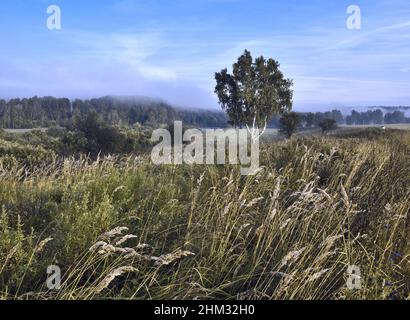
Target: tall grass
x: 127, y: 229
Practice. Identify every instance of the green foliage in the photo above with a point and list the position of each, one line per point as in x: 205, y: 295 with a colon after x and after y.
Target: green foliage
x: 289, y: 123
x: 395, y: 117
x: 327, y: 124
x: 376, y: 117
x: 31, y: 157
x: 90, y: 136
x: 17, y: 252
x: 311, y: 119
x: 255, y: 90
x: 49, y: 111
x: 369, y: 117
x: 93, y: 136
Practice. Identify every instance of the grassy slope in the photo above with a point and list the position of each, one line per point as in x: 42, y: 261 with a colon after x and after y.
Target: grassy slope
x: 316, y: 206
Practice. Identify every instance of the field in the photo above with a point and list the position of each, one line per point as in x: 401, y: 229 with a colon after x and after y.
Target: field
x: 273, y: 134
x: 401, y: 126
x: 215, y: 151
x: 21, y: 131
x: 126, y: 229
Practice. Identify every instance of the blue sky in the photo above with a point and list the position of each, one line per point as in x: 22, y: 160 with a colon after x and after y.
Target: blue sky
x: 170, y: 49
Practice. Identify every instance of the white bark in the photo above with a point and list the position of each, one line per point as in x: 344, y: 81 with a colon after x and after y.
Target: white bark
x: 254, y: 132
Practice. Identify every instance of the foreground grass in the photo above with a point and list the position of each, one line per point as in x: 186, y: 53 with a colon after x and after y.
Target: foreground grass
x: 123, y: 228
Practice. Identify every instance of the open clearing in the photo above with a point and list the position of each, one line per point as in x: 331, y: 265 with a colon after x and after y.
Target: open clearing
x: 400, y: 126
x: 21, y: 131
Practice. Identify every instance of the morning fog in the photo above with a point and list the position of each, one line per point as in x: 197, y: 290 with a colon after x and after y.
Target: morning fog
x: 209, y: 146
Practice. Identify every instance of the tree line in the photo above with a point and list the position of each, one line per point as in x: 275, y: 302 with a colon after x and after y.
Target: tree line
x: 376, y: 117
x: 256, y: 94
x: 290, y: 122
x: 371, y: 117
x: 44, y: 112
x: 41, y: 112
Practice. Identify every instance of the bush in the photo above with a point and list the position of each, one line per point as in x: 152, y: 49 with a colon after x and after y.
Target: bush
x: 31, y: 157
x: 327, y: 124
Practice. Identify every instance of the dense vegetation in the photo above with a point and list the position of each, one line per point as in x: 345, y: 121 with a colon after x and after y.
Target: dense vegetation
x: 376, y: 117
x: 89, y: 136
x: 49, y: 111
x: 370, y: 117
x: 122, y: 227
x: 127, y: 112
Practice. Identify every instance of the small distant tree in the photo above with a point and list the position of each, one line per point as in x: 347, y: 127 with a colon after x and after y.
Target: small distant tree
x: 289, y: 124
x: 337, y: 115
x: 92, y: 135
x: 310, y: 120
x: 378, y: 116
x: 395, y: 117
x: 254, y: 92
x: 327, y: 124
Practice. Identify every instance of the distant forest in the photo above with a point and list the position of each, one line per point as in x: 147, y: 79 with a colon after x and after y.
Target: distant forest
x: 369, y: 117
x: 45, y: 112
x: 49, y: 111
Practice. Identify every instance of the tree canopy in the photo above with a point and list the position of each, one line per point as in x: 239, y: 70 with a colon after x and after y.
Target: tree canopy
x: 289, y: 124
x: 327, y: 124
x: 43, y: 112
x: 255, y: 91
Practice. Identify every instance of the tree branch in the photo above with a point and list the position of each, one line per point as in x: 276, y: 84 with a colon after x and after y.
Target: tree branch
x: 254, y: 135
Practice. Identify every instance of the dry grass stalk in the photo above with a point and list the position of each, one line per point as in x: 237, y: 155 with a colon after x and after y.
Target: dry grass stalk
x: 291, y: 257
x: 124, y: 239
x: 167, y: 259
x: 114, y: 232
x: 345, y: 197
x: 40, y: 247
x: 111, y: 277
x: 330, y: 241
x: 97, y: 245
x: 285, y: 224
x: 317, y: 275
x: 9, y: 256
x: 253, y: 202
x: 143, y: 246
x: 324, y: 192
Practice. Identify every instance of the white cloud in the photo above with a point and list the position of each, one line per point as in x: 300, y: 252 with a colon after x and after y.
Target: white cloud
x: 132, y: 50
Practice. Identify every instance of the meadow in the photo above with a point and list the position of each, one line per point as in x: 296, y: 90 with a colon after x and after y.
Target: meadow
x: 123, y: 228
